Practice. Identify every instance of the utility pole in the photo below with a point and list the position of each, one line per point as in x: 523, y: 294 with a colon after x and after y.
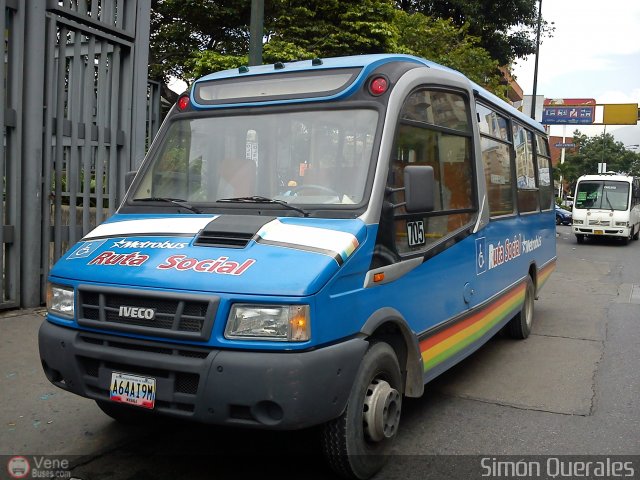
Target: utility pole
x: 256, y: 31
x: 535, y: 70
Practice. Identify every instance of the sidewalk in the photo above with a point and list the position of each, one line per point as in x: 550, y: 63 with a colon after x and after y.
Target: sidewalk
x: 37, y: 418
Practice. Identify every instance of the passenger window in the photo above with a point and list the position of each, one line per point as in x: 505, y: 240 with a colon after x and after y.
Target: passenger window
x: 497, y: 171
x: 491, y: 123
x: 434, y: 130
x: 496, y: 160
x: 544, y: 173
x: 525, y: 170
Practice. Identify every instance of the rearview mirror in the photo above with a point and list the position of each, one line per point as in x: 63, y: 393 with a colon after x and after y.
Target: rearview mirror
x: 419, y: 187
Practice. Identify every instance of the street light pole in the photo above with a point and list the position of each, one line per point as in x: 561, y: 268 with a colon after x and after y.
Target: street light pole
x: 535, y: 70
x: 256, y: 32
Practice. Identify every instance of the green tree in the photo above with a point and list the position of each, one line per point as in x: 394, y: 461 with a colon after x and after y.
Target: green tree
x: 298, y: 30
x: 506, y: 28
x: 443, y: 42
x: 190, y: 38
x: 599, y: 149
x: 181, y: 27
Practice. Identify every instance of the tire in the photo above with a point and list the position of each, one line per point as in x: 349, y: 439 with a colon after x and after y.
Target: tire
x: 626, y: 240
x: 580, y: 238
x: 356, y: 444
x: 637, y: 234
x: 558, y: 221
x: 125, y: 414
x: 519, y: 327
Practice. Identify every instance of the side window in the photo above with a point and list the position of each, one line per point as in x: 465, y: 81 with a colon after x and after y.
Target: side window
x: 525, y: 170
x: 434, y: 129
x: 497, y: 172
x: 544, y: 173
x: 496, y: 159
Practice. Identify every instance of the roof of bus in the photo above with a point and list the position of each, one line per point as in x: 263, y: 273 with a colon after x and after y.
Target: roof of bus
x: 368, y: 63
x: 607, y: 176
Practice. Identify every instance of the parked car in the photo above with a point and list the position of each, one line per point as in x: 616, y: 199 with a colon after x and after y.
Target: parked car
x: 563, y: 217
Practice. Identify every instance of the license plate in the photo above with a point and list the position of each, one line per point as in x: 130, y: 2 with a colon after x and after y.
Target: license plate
x: 598, y: 232
x: 133, y: 390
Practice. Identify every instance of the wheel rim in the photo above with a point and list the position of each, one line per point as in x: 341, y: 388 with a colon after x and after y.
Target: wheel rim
x: 381, y: 410
x: 528, y: 307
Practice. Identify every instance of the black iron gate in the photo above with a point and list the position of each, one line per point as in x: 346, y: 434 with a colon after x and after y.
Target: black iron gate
x: 75, y: 119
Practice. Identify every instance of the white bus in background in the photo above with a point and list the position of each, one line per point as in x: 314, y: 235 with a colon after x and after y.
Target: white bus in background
x: 607, y: 204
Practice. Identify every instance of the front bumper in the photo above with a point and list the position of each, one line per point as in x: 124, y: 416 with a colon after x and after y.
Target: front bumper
x: 598, y: 231
x: 280, y: 391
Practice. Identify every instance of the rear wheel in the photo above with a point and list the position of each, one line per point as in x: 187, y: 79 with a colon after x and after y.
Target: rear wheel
x: 355, y: 443
x: 520, y: 326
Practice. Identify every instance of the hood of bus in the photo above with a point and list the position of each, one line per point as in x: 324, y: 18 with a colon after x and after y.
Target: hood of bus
x: 285, y: 256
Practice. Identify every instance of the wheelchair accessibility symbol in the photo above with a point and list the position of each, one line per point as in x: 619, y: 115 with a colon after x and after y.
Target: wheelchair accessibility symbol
x: 481, y: 255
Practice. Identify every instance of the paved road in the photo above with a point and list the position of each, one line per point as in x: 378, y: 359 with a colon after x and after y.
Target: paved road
x: 572, y: 388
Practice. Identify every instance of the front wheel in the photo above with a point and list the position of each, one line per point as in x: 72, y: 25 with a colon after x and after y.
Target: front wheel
x: 580, y: 238
x: 356, y: 443
x: 519, y: 327
x: 637, y: 234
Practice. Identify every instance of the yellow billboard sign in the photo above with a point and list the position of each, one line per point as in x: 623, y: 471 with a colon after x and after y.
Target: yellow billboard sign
x: 620, y: 114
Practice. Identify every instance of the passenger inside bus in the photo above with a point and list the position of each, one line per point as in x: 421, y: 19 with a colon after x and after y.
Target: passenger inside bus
x: 237, y: 178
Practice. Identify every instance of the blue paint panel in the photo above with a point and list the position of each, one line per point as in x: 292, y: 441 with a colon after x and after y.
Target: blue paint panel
x: 173, y: 262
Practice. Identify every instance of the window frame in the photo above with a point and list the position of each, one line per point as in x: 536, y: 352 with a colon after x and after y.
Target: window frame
x: 509, y: 143
x: 430, y: 249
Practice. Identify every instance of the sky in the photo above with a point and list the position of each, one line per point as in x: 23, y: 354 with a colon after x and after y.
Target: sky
x: 594, y: 53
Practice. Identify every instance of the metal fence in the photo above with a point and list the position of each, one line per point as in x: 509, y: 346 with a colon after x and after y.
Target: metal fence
x: 77, y: 116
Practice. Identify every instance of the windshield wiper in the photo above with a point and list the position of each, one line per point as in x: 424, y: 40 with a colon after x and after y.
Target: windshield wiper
x: 176, y: 201
x: 606, y: 197
x: 260, y: 199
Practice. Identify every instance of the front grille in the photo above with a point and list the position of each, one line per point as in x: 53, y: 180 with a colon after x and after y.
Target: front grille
x: 602, y: 223
x: 177, y: 379
x: 174, y: 316
x: 141, y: 346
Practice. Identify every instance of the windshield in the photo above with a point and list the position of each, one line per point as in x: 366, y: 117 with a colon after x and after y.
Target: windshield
x: 602, y: 194
x: 314, y: 157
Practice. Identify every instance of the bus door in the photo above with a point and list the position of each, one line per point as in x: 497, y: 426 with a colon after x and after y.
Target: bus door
x: 434, y: 129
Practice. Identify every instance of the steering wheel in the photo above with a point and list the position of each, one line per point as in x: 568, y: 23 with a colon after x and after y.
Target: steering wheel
x: 321, y: 188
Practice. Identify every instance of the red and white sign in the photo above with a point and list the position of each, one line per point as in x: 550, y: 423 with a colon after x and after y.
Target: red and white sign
x: 568, y: 102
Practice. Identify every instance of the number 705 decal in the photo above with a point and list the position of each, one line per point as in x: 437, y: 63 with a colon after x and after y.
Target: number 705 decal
x: 415, y: 233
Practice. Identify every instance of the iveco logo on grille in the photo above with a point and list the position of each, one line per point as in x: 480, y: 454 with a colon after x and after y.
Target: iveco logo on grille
x: 136, y: 312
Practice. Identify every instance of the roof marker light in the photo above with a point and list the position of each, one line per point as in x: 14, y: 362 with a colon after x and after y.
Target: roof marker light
x: 316, y: 61
x: 378, y: 86
x: 183, y: 102
x: 243, y: 69
x: 278, y: 66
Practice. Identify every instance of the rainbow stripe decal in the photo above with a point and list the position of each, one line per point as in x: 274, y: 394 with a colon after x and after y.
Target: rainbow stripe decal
x: 446, y: 343
x: 545, y: 273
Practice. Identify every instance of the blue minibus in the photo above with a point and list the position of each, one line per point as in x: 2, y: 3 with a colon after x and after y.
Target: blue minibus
x: 305, y: 245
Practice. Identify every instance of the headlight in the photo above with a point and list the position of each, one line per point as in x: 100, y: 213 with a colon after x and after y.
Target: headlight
x: 622, y: 224
x: 284, y: 323
x: 60, y: 300
x: 577, y: 222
